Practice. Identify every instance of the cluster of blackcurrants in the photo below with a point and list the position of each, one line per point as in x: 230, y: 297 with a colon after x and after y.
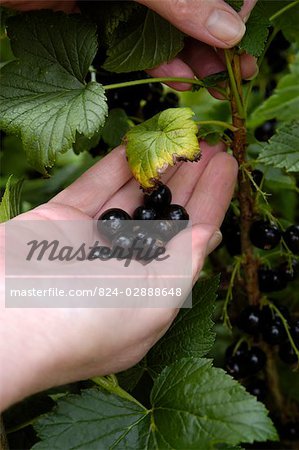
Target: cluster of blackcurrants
x: 146, y: 242
x: 267, y: 236
x: 245, y: 362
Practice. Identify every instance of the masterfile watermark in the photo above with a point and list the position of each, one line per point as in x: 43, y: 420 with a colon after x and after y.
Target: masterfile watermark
x: 69, y: 264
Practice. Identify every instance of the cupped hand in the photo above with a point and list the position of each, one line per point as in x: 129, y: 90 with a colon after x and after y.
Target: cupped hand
x: 55, y: 346
x: 212, y: 25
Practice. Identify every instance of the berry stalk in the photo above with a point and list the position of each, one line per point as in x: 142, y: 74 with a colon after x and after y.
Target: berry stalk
x: 245, y: 196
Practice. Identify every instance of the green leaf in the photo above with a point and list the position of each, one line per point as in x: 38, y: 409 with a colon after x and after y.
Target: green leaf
x: 115, y: 127
x: 10, y: 204
x: 145, y: 41
x: 129, y: 379
x: 236, y: 4
x: 91, y: 421
x: 161, y: 141
x: 257, y: 31
x: 288, y: 23
x: 284, y: 103
x: 191, y: 334
x: 108, y: 14
x: 196, y: 405
x: 211, y: 80
x: 193, y: 406
x: 44, y: 97
x: 84, y: 144
x: 282, y: 151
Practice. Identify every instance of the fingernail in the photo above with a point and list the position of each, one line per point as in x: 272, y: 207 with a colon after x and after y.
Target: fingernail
x: 214, y: 242
x: 254, y: 75
x: 225, y: 26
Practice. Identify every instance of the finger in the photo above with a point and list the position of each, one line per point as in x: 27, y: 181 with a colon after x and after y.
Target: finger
x: 214, y: 190
x: 175, y: 68
x: 204, y: 60
x: 129, y: 196
x: 246, y: 9
x: 25, y: 5
x: 97, y: 184
x: 181, y: 180
x: 213, y: 22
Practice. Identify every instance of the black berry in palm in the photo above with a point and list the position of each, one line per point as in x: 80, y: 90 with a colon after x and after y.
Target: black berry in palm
x: 175, y: 212
x: 145, y: 213
x: 250, y: 319
x: 287, y: 353
x: 265, y: 131
x: 159, y: 198
x: 270, y: 280
x: 264, y: 235
x: 165, y: 229
x: 100, y: 252
x: 291, y: 238
x: 258, y: 388
x: 122, y: 244
x: 231, y: 233
x: 112, y: 222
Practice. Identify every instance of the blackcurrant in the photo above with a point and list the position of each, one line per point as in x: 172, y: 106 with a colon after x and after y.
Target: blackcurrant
x: 122, y: 244
x: 274, y: 333
x: 287, y: 353
x: 151, y: 247
x: 112, y: 221
x: 258, y: 388
x: 155, y: 91
x: 289, y: 271
x: 270, y: 280
x: 236, y: 368
x: 250, y: 320
x: 231, y: 234
x: 235, y: 360
x: 151, y: 108
x: 159, y: 198
x: 269, y: 316
x: 165, y: 229
x: 291, y: 238
x: 171, y: 100
x: 295, y: 331
x: 145, y: 213
x: 236, y: 350
x: 289, y: 431
x: 255, y: 360
x: 265, y: 131
x: 100, y: 252
x: 257, y: 176
x: 264, y: 235
x: 175, y: 212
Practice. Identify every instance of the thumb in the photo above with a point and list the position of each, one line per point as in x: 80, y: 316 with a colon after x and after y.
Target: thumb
x: 205, y: 238
x: 213, y: 22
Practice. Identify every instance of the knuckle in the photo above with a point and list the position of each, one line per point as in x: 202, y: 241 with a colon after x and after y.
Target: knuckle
x: 180, y: 8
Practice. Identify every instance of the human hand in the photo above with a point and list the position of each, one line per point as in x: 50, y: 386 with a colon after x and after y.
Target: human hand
x: 211, y: 24
x: 47, y: 347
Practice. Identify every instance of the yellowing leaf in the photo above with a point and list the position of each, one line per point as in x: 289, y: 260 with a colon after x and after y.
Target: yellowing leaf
x: 159, y: 142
